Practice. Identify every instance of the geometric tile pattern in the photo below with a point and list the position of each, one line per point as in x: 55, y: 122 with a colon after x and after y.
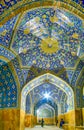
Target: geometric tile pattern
x: 54, y: 92
x: 37, y: 95
x: 45, y: 102
x: 28, y: 42
x: 18, y: 71
x: 78, y: 99
x: 51, y: 84
x: 8, y: 88
x: 6, y: 32
x: 34, y: 72
x: 28, y: 104
x: 76, y: 74
x: 46, y: 41
x: 63, y: 30
x: 5, y: 5
x: 6, y: 53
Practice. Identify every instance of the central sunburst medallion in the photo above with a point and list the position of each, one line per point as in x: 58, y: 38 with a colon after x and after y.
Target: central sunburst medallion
x: 49, y: 45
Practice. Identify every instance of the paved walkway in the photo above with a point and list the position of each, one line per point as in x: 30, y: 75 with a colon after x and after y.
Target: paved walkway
x: 44, y: 128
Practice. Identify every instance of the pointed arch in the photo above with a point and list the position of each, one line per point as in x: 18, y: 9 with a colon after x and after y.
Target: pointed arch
x: 46, y: 106
x: 58, y: 82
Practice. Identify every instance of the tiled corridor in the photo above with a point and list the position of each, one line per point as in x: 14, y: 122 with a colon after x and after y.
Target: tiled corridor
x: 44, y: 128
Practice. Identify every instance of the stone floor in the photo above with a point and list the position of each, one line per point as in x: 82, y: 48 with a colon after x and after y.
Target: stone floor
x: 44, y: 128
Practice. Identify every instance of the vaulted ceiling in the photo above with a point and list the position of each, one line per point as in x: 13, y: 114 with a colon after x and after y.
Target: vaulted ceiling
x: 37, y: 97
x: 44, y: 40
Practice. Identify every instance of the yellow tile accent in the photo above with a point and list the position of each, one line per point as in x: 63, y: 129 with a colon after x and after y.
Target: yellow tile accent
x: 75, y: 35
x: 26, y: 31
x: 49, y: 45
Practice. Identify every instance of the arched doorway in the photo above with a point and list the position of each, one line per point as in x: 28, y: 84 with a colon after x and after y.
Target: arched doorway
x: 46, y: 111
x: 57, y: 82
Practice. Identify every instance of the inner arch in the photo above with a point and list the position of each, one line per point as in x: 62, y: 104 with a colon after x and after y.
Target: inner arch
x: 53, y: 80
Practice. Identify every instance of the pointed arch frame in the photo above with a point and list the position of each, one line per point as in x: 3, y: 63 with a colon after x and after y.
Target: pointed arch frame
x: 58, y: 82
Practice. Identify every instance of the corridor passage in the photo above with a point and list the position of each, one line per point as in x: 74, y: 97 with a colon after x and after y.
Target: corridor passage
x: 44, y: 128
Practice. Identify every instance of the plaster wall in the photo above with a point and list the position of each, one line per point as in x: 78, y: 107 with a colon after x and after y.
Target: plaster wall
x: 30, y: 120
x: 83, y: 115
x: 9, y: 119
x: 22, y: 120
x: 69, y: 119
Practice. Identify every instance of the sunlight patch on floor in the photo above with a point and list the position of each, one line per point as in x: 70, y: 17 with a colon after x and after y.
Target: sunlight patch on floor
x: 44, y: 128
